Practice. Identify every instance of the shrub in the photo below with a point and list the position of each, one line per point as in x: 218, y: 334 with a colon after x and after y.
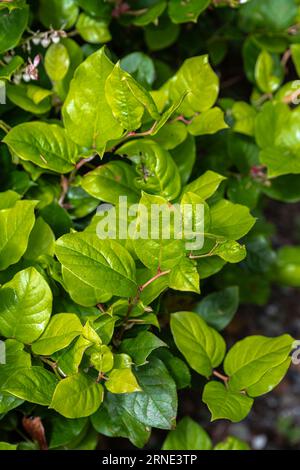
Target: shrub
x: 191, y: 109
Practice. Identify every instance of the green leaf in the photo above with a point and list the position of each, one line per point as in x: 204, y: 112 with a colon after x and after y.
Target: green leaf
x: 161, y: 34
x: 7, y: 446
x: 295, y: 50
x: 8, y: 70
x: 46, y: 145
x: 140, y: 347
x: 177, y: 368
x: 77, y: 396
x: 206, y: 185
x: 252, y: 363
x: 8, y: 199
x: 35, y: 385
x: 41, y: 241
x: 155, y: 405
x: 127, y: 99
x: 164, y: 118
x: 115, y: 419
x: 157, y: 172
x: 140, y: 66
x: 93, y: 30
x: 94, y: 267
x: 232, y: 443
x: 201, y: 345
x: 219, y: 308
x: 58, y: 13
x: 188, y: 435
x: 231, y: 251
x: 70, y: 359
x: 184, y: 156
x: 15, y: 354
x: 110, y: 181
x: 31, y: 98
x: 197, y: 78
x: 288, y: 266
x: 273, y: 15
x: 158, y: 251
x: 171, y: 135
x: 266, y: 75
x: 25, y: 306
x: 87, y: 91
x: 244, y: 118
x: 65, y: 430
x: 183, y: 12
x: 12, y: 4
x: 151, y: 14
x: 184, y: 276
x: 208, y: 122
x: 60, y: 332
x: 122, y: 381
x: 231, y: 221
x: 12, y: 26
x: 276, y: 132
x: 57, y: 62
x: 226, y: 404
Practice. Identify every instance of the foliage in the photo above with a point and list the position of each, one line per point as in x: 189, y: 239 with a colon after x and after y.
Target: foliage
x: 92, y: 346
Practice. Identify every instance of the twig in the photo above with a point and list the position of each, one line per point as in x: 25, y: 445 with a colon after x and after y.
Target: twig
x: 221, y: 376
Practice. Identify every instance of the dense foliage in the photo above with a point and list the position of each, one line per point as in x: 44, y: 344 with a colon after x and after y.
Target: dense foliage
x: 192, y: 102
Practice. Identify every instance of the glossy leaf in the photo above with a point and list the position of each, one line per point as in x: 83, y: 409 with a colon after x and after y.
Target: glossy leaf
x: 87, y: 91
x: 77, y: 396
x: 98, y: 266
x: 188, y: 435
x: 226, y: 404
x: 60, y: 332
x: 25, y: 306
x: 201, y: 345
x: 46, y: 145
x: 251, y: 363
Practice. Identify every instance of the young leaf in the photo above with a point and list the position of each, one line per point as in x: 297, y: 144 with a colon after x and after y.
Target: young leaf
x: 201, y: 345
x: 35, y: 385
x: 93, y: 30
x: 197, y: 78
x: 209, y: 122
x: 60, y: 332
x: 46, y: 145
x: 157, y: 171
x: 25, y: 306
x: 103, y: 266
x: 232, y: 443
x: 109, y: 181
x: 126, y: 108
x: 122, y: 381
x: 256, y: 359
x: 57, y: 62
x: 16, y: 224
x: 231, y: 221
x: 188, y: 435
x: 231, y: 251
x: 159, y: 251
x: 224, y: 403
x: 87, y: 93
x: 184, y: 276
x: 206, y: 185
x: 77, y: 396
